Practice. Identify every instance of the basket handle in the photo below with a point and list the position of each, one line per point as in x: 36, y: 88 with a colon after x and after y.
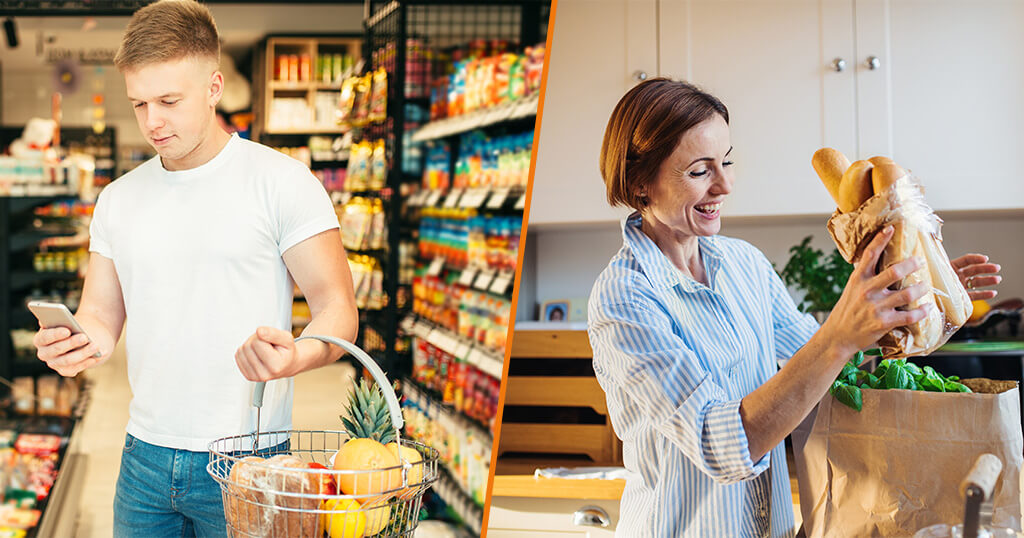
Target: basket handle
x: 378, y: 375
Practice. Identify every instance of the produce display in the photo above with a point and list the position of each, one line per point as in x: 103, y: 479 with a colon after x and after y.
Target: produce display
x: 890, y: 374
x: 871, y: 194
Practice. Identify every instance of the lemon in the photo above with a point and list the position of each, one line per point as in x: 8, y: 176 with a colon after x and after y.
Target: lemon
x: 378, y: 515
x: 981, y: 307
x: 345, y: 519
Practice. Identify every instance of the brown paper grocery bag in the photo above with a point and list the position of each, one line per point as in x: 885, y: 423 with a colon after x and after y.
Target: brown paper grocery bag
x: 895, y: 466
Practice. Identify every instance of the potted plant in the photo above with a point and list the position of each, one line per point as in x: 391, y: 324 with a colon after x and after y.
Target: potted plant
x: 821, y: 277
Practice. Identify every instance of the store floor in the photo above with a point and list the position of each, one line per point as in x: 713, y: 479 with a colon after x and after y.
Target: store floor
x: 319, y: 396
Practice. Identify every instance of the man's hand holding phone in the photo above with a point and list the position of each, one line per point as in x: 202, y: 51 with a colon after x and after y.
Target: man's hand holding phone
x: 66, y: 353
x: 61, y: 343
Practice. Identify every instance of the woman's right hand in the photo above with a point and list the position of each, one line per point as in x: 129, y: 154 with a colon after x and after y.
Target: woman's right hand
x: 867, y: 309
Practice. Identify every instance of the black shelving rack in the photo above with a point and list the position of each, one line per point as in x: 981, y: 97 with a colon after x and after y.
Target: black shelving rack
x: 391, y: 26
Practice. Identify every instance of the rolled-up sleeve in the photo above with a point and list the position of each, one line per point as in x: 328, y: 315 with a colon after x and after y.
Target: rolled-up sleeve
x: 652, y: 378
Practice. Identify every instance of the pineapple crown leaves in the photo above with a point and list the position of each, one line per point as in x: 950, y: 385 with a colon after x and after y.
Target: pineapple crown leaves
x: 368, y: 415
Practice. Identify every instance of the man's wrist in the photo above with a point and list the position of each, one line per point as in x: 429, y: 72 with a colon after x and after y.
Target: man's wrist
x: 311, y: 353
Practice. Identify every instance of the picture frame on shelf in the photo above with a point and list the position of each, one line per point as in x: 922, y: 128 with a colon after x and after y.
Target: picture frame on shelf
x: 555, y: 311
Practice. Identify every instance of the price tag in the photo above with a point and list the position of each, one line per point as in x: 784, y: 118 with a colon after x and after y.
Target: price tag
x: 521, y: 204
x: 488, y: 363
x: 433, y: 198
x: 501, y: 283
x: 467, y: 276
x: 498, y: 199
x: 462, y: 350
x: 436, y: 265
x: 473, y: 198
x: 453, y: 198
x: 434, y: 338
x: 416, y: 199
x: 422, y: 330
x: 483, y: 280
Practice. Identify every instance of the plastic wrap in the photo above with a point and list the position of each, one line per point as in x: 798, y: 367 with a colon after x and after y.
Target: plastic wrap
x: 917, y: 233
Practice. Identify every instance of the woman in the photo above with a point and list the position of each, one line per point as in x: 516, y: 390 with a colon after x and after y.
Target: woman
x: 689, y: 329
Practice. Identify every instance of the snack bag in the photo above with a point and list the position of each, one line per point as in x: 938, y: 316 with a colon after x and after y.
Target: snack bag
x: 871, y: 195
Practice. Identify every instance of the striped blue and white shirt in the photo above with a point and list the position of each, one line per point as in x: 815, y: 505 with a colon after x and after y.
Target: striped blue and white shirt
x: 675, y: 358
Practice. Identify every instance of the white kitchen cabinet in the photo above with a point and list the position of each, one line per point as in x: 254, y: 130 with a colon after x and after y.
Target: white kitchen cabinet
x: 946, y: 99
x: 943, y: 99
x: 519, y: 517
x: 596, y: 47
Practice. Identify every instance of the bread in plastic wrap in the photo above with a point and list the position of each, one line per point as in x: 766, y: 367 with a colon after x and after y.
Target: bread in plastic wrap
x: 261, y: 498
x: 917, y: 232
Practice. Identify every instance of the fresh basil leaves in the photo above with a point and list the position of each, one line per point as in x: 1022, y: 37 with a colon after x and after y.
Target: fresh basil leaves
x: 890, y: 374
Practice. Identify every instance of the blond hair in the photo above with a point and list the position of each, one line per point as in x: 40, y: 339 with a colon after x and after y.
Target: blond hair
x: 168, y: 30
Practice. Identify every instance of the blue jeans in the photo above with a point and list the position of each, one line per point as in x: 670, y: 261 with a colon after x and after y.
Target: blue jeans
x: 165, y: 492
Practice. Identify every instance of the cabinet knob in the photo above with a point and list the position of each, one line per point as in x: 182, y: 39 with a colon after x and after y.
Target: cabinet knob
x: 591, y: 516
x: 838, y: 65
x: 639, y: 76
x: 873, y: 62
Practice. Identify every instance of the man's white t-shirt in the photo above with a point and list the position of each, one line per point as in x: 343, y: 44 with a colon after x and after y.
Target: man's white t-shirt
x: 199, y: 256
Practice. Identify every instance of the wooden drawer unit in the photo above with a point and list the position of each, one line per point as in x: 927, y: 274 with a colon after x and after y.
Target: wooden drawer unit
x: 553, y: 403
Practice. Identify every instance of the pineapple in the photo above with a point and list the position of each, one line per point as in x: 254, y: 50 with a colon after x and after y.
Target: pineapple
x: 368, y: 414
x: 369, y: 427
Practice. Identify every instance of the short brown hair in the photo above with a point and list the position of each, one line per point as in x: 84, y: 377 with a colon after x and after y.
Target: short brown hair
x: 168, y: 30
x: 645, y: 129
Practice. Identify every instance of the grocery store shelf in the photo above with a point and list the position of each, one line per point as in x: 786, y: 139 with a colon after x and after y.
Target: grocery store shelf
x: 435, y: 398
x: 21, y: 203
x: 30, y: 238
x: 515, y: 110
x: 487, y: 198
x: 485, y: 359
x: 485, y: 279
x: 449, y: 490
x: 24, y: 279
x: 307, y: 130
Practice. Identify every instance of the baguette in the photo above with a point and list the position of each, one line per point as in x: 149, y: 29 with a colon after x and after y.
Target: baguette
x: 884, y: 175
x: 855, y: 187
x: 878, y: 159
x: 951, y: 296
x: 905, y: 243
x: 830, y: 164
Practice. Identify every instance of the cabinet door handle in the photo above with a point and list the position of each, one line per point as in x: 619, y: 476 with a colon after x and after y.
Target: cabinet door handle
x: 591, y: 516
x: 874, y: 63
x: 639, y: 76
x: 838, y: 65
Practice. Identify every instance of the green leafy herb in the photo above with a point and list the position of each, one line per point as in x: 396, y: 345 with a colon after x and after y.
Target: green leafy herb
x: 890, y: 374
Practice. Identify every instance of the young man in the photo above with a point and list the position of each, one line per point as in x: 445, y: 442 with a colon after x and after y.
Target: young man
x: 198, y: 249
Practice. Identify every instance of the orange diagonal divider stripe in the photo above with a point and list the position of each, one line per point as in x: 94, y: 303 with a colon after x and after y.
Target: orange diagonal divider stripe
x: 519, y: 271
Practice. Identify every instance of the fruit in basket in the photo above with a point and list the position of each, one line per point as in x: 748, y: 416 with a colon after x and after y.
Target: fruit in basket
x: 364, y: 456
x: 327, y: 485
x: 369, y: 426
x: 415, y: 475
x: 343, y: 518
x: 378, y: 514
x: 256, y: 484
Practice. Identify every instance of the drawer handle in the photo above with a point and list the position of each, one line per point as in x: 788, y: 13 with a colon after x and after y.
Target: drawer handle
x: 591, y: 516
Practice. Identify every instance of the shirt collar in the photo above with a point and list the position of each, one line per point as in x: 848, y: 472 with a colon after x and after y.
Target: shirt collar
x: 657, y: 267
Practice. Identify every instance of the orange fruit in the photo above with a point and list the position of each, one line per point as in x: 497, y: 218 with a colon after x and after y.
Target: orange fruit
x: 981, y: 307
x: 366, y: 455
x: 415, y: 475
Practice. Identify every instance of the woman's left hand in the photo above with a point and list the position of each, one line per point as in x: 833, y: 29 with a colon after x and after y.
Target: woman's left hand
x: 975, y: 272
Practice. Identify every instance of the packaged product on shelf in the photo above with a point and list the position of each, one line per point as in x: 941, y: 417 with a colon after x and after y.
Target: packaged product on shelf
x: 379, y: 96
x: 367, y: 278
x: 363, y: 225
x: 436, y: 174
x: 361, y: 102
x: 534, y: 68
x: 346, y: 101
x: 378, y: 166
x: 46, y: 395
x: 358, y: 175
x: 23, y: 395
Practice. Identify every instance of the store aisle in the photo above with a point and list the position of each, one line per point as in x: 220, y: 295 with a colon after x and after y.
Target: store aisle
x: 319, y: 395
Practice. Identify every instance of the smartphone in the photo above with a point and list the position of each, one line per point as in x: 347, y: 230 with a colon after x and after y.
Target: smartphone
x: 52, y: 315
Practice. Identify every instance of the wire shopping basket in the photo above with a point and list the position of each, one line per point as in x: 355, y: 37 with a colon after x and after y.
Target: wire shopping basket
x: 295, y: 492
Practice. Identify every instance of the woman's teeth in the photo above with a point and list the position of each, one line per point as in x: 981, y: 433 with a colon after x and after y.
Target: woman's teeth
x: 709, y: 208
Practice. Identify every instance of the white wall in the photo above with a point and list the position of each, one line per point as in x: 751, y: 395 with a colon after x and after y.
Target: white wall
x: 569, y: 259
x: 27, y: 81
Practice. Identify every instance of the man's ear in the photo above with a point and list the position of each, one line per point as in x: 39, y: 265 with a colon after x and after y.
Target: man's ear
x: 216, y: 88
